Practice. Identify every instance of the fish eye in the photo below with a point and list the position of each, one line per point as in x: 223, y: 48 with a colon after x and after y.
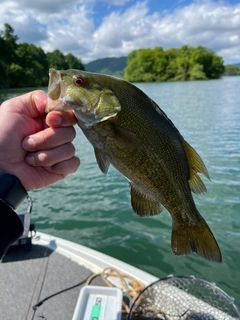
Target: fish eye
x: 79, y: 81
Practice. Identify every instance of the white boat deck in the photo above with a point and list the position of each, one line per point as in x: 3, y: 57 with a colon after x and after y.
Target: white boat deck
x: 50, y: 266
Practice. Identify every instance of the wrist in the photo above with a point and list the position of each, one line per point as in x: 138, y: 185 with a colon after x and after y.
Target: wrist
x: 11, y: 190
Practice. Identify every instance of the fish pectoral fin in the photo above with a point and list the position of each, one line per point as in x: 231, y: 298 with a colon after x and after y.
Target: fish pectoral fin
x: 196, y: 165
x: 124, y: 136
x: 143, y: 205
x: 102, y: 161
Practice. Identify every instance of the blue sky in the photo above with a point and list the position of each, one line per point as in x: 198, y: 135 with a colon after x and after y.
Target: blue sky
x: 105, y: 28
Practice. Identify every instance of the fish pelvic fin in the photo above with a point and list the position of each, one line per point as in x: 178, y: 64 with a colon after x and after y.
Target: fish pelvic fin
x: 143, y: 205
x: 196, y: 165
x: 102, y: 161
x: 196, y: 238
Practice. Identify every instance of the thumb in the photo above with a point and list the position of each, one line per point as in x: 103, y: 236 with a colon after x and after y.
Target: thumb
x: 61, y: 119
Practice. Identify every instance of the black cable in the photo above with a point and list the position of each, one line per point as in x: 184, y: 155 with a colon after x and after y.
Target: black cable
x: 55, y: 294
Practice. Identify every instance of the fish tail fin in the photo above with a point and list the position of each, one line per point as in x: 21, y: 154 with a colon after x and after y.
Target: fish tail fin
x: 196, y: 238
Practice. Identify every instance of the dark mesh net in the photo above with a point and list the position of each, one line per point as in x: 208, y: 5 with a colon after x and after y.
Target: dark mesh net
x: 185, y: 298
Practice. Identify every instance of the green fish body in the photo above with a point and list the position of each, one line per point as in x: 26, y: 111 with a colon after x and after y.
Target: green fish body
x: 128, y: 130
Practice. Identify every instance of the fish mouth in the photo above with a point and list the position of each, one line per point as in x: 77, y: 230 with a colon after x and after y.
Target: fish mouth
x: 88, y: 106
x: 57, y: 100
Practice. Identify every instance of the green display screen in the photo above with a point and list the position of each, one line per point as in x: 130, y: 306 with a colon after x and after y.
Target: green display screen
x: 96, y: 310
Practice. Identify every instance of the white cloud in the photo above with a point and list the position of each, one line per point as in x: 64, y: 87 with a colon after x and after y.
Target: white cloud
x: 116, y: 2
x: 69, y: 26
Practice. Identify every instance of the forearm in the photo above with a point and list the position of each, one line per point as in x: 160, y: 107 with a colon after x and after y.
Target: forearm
x: 12, y: 194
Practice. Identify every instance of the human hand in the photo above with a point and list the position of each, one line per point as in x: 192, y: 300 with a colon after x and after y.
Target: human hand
x: 36, y: 148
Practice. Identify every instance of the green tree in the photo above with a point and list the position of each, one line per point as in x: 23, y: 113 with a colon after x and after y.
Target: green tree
x: 217, y: 68
x: 30, y: 68
x: 146, y: 62
x: 25, y: 65
x: 73, y: 62
x: 196, y: 73
x: 2, y: 63
x: 131, y: 71
x: 57, y: 60
x: 145, y: 65
x: 8, y: 42
x: 160, y: 64
x: 185, y: 63
x: 213, y: 66
x: 172, y: 66
x: 231, y: 70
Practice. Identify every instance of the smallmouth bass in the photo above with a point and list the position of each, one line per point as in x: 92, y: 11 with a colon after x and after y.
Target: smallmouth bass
x: 128, y: 130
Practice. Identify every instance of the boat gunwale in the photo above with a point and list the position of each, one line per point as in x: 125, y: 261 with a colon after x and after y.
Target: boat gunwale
x: 90, y: 258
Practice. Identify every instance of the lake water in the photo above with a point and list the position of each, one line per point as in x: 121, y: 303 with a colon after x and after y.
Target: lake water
x: 94, y: 210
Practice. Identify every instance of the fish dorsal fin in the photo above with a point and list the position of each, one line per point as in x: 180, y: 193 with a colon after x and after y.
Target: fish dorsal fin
x: 102, y: 161
x: 196, y: 166
x: 143, y: 205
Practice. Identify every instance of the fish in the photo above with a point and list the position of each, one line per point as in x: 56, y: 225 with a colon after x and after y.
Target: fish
x: 128, y: 130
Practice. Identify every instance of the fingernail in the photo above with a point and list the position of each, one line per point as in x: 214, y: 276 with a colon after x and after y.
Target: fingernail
x: 30, y: 143
x: 30, y: 159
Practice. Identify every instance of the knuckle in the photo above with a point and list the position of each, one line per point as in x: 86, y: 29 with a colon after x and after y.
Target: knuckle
x: 69, y: 150
x: 71, y: 133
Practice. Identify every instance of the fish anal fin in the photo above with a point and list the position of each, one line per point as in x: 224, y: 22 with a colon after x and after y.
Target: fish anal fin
x: 196, y: 165
x: 143, y: 205
x: 102, y: 161
x: 196, y: 238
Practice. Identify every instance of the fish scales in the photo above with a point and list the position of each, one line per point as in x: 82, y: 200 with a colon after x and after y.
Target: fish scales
x: 153, y: 134
x: 128, y: 130
x: 153, y: 178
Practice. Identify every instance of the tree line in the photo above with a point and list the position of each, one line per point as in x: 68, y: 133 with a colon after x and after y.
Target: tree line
x: 232, y: 70
x: 175, y: 64
x: 25, y: 65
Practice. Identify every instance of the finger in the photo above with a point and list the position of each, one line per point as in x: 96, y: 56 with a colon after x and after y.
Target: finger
x: 51, y: 157
x: 32, y: 103
x: 65, y: 167
x: 39, y: 101
x: 63, y: 119
x: 48, y: 139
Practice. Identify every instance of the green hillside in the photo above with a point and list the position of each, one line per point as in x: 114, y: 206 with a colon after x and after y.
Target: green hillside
x: 112, y: 66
